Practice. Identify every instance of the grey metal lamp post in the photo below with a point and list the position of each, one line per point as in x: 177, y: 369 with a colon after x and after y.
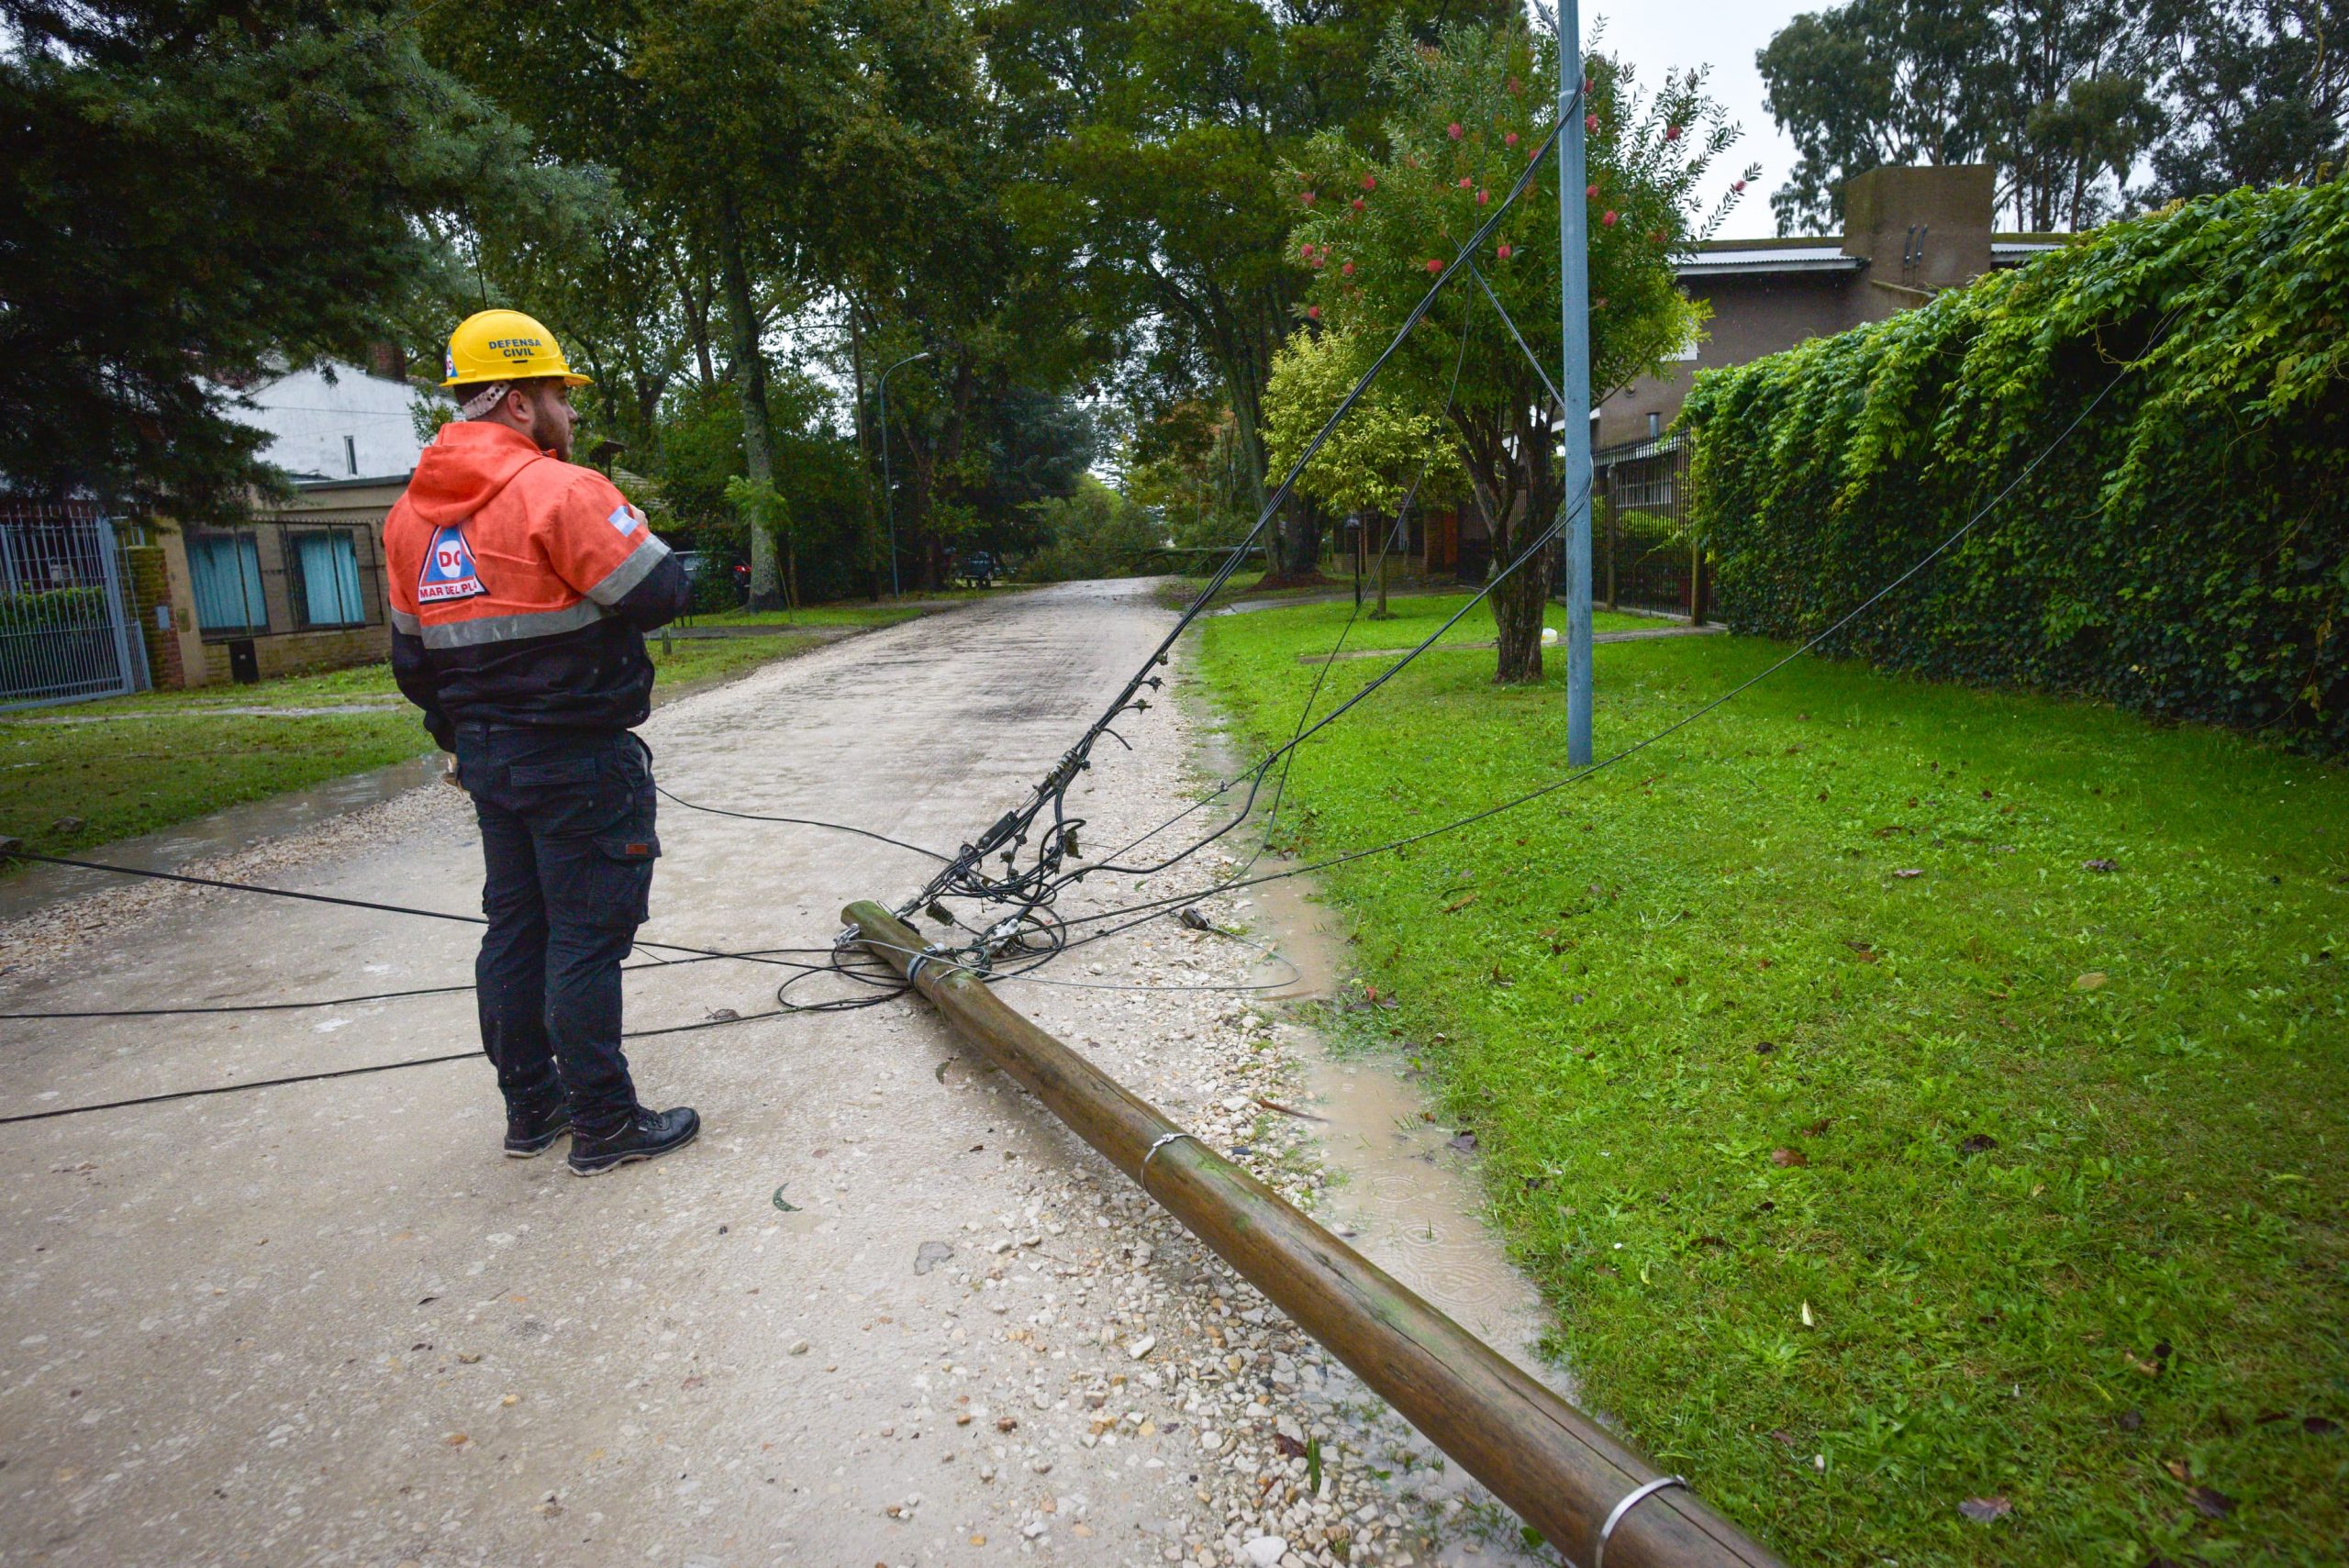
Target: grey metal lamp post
x: 888, y: 496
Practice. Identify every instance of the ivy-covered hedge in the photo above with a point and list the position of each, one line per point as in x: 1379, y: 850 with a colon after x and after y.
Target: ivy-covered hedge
x: 2184, y: 551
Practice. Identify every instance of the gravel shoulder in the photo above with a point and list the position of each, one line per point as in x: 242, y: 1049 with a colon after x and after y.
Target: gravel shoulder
x: 886, y: 1311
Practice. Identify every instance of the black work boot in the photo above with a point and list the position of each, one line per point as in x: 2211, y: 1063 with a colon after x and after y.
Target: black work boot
x: 646, y: 1135
x: 530, y: 1134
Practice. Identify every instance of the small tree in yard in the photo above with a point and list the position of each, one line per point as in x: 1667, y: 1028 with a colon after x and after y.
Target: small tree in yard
x: 1385, y: 449
x: 1473, y: 109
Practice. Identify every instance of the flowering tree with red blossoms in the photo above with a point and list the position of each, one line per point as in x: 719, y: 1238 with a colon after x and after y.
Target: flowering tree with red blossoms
x: 1473, y: 110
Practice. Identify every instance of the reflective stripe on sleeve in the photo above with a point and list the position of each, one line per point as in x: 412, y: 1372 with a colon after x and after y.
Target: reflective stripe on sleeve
x: 403, y: 621
x: 513, y: 627
x: 639, y: 565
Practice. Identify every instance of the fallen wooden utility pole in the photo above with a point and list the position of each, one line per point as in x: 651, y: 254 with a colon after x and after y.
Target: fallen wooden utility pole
x: 1589, y: 1496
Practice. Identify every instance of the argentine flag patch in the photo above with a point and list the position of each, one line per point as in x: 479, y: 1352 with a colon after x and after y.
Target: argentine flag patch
x: 447, y: 569
x: 624, y: 517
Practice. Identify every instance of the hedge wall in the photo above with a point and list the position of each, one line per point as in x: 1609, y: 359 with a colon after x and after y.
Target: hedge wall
x: 2184, y: 551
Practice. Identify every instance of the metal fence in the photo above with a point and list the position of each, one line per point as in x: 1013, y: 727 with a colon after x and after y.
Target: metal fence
x: 66, y: 627
x: 1643, y: 559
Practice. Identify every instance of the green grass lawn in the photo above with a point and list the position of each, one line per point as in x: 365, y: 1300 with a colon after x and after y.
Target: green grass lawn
x: 1876, y: 1148
x: 1411, y: 618
x: 166, y: 757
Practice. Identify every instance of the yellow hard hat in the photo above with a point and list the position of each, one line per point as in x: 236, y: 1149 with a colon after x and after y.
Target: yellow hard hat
x: 505, y: 345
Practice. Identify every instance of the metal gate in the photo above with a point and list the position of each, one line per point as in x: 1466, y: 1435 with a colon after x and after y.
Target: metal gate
x: 65, y: 621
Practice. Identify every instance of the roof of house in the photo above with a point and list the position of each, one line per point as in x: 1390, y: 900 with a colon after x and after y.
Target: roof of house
x: 1825, y: 254
x: 1714, y: 260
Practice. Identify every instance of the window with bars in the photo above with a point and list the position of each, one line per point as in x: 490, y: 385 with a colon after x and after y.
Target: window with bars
x: 326, y: 576
x: 225, y: 571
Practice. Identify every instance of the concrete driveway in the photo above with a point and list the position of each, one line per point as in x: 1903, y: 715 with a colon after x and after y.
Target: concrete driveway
x: 329, y: 1324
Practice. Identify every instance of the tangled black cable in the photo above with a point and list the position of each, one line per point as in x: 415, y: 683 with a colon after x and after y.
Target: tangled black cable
x: 1029, y: 894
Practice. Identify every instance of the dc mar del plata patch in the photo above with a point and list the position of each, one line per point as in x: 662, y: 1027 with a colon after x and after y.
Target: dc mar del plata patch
x: 447, y: 569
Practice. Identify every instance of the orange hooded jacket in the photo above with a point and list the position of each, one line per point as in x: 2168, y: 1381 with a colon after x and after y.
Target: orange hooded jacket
x: 521, y: 588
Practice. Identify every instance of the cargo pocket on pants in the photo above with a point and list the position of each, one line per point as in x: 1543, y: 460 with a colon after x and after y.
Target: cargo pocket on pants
x: 629, y: 854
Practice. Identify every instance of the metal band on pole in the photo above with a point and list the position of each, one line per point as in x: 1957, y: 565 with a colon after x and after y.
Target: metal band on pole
x: 1632, y: 1499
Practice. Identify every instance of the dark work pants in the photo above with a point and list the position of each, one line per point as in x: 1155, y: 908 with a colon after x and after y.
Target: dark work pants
x: 567, y: 833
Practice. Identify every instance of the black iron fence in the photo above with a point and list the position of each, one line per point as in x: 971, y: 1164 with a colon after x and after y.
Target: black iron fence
x: 67, y: 632
x: 1641, y: 556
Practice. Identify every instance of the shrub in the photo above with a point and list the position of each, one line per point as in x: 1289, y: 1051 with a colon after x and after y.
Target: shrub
x: 2183, y: 551
x: 1095, y: 533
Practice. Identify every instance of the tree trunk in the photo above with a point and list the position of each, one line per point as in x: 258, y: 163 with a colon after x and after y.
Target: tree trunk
x: 1518, y: 596
x: 873, y: 542
x: 1294, y: 550
x: 750, y: 387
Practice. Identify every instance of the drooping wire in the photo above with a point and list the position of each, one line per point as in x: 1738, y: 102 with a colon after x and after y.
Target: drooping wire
x: 1135, y: 914
x: 802, y: 822
x: 1038, y: 886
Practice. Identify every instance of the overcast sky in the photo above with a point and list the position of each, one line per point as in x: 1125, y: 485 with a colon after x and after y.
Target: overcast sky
x: 1723, y: 34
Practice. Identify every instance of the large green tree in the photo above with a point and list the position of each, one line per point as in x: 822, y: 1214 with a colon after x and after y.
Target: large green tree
x: 2071, y: 100
x: 1373, y: 234
x: 1154, y: 128
x: 197, y: 193
x: 789, y: 140
x: 2253, y: 91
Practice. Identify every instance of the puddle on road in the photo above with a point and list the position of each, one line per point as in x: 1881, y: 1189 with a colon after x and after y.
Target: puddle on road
x: 232, y: 831
x: 1408, y: 1200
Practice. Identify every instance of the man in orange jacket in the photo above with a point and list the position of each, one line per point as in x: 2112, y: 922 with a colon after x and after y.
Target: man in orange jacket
x: 522, y: 586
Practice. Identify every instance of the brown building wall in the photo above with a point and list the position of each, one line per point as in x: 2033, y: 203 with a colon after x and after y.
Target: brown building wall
x: 285, y: 646
x: 1752, y: 316
x: 1913, y: 231
x: 151, y: 605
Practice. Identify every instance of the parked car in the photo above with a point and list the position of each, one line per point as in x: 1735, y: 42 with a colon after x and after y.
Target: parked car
x: 979, y: 568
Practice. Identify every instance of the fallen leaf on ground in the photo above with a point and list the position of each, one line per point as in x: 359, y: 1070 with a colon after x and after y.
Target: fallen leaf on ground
x: 1977, y: 1143
x: 2099, y: 865
x: 1911, y: 871
x: 2092, y: 980
x: 1788, y: 1157
x: 1985, y: 1510
x: 1289, y: 1446
x: 2210, y: 1502
x: 1464, y: 1140
x: 2320, y: 1427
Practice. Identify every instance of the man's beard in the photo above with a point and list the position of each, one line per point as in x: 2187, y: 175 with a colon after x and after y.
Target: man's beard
x: 550, y: 431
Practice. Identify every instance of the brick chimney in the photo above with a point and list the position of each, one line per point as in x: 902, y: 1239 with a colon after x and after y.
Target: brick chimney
x: 1922, y: 229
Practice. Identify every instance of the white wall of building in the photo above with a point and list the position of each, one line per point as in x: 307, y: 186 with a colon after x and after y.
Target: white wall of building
x: 336, y: 422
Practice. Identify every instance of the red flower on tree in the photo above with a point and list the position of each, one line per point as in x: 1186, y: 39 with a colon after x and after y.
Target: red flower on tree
x: 1608, y: 218
x: 1434, y: 265
x: 1452, y: 130
x: 1503, y: 253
